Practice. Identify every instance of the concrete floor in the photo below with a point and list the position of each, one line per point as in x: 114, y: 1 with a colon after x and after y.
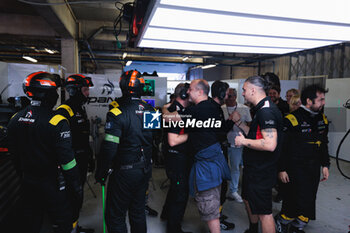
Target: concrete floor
x: 333, y: 207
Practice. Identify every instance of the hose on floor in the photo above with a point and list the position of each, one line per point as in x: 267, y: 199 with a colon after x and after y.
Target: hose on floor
x: 337, y: 155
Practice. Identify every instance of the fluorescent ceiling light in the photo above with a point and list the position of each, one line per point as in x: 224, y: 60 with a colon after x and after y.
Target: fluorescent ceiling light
x: 233, y: 39
x: 30, y: 59
x: 193, y: 20
x: 318, y: 10
x: 185, y: 58
x: 49, y: 51
x: 208, y: 66
x: 254, y: 26
x: 212, y: 47
x: 124, y: 55
x: 128, y: 63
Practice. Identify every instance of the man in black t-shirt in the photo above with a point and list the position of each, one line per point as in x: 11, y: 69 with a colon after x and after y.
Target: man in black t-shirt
x: 203, y: 123
x: 260, y: 155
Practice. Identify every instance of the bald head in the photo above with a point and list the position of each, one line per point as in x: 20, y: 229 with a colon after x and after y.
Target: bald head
x: 198, y: 91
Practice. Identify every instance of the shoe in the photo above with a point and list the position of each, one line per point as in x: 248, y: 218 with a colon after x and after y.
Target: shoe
x: 180, y: 231
x: 85, y: 230
x: 281, y: 228
x: 224, y: 225
x: 248, y: 231
x: 235, y: 196
x: 294, y: 229
x: 151, y: 212
x: 223, y: 217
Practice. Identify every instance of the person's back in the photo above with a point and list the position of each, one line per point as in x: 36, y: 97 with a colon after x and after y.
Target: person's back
x: 40, y: 142
x: 127, y: 150
x: 135, y: 138
x: 31, y: 127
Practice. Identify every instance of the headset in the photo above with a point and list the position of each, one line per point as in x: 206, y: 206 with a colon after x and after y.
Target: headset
x: 218, y: 89
x: 183, y: 93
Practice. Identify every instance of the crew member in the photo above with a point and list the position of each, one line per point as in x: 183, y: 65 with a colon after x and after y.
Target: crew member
x: 275, y: 95
x: 177, y: 165
x: 41, y: 143
x: 77, y: 86
x: 260, y: 155
x: 219, y: 95
x: 305, y: 151
x: 127, y: 150
x: 210, y: 167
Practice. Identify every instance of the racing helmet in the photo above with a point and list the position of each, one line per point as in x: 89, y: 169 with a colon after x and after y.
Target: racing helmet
x: 132, y: 83
x: 39, y: 84
x: 75, y: 82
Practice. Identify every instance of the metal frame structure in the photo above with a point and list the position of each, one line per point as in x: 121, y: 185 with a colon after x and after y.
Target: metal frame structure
x: 333, y: 61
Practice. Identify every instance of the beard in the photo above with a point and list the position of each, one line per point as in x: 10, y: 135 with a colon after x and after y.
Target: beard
x: 316, y: 109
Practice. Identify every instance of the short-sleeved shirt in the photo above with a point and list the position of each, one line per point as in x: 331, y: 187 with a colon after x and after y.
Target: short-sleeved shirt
x: 245, y: 117
x: 203, y: 137
x: 267, y: 115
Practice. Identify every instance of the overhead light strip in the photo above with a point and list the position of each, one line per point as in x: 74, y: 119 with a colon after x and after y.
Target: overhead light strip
x: 195, y: 20
x: 184, y: 35
x: 335, y: 11
x: 194, y: 46
x: 30, y: 59
x: 208, y: 66
x: 228, y: 44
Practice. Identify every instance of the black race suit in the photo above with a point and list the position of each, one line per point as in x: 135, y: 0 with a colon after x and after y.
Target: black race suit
x: 41, y: 144
x: 305, y: 150
x: 177, y: 166
x: 127, y: 149
x: 80, y: 128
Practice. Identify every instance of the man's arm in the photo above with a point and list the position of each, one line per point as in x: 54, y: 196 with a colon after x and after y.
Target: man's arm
x: 267, y: 143
x: 176, y: 139
x: 109, y: 145
x: 167, y: 116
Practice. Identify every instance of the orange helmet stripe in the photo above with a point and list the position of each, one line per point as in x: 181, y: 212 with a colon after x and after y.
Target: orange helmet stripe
x: 133, y: 78
x: 47, y: 82
x: 27, y: 80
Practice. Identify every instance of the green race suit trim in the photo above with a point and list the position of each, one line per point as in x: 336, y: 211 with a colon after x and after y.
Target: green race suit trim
x: 69, y: 165
x: 111, y: 138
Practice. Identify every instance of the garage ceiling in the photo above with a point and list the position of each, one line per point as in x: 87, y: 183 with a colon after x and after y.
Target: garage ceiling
x: 29, y: 27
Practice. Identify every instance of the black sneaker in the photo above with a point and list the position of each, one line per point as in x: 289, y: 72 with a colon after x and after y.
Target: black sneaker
x: 224, y: 225
x: 280, y: 227
x: 151, y: 212
x: 179, y: 231
x: 248, y: 231
x: 294, y: 229
x: 85, y: 230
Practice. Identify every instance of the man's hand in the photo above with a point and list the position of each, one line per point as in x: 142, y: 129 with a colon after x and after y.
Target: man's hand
x: 235, y: 116
x: 283, y: 176
x: 325, y: 173
x: 165, y: 107
x: 239, y: 140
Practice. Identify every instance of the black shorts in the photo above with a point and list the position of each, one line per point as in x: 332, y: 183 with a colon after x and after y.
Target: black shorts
x: 257, y: 190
